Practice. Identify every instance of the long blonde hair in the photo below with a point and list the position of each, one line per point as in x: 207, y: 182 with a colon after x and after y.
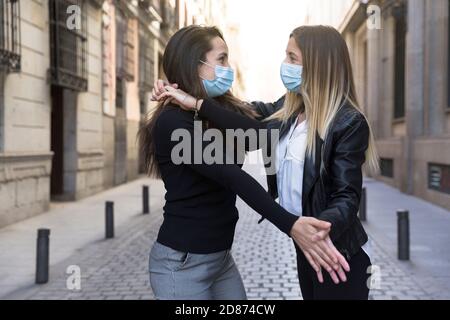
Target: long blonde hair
x: 327, y: 83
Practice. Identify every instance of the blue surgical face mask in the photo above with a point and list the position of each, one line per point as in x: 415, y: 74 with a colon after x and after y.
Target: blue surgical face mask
x: 224, y: 77
x: 291, y: 75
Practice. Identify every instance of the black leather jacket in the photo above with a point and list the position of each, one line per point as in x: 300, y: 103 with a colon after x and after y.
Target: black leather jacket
x: 332, y: 180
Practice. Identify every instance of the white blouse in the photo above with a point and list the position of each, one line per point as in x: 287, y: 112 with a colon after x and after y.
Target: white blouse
x: 291, y: 152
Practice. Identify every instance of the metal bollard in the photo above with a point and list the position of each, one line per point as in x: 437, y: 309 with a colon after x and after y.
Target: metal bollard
x: 146, y: 199
x: 403, y: 234
x: 42, y: 256
x: 109, y: 220
x: 363, y: 206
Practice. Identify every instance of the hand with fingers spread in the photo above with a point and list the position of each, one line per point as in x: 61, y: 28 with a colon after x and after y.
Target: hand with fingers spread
x: 338, y: 273
x: 311, y: 235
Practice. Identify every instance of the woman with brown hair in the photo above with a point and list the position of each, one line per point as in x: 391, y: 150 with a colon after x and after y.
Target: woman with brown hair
x: 324, y: 141
x: 191, y: 258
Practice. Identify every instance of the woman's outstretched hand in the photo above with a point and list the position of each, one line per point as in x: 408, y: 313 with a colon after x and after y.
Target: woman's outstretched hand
x: 338, y: 273
x: 311, y: 235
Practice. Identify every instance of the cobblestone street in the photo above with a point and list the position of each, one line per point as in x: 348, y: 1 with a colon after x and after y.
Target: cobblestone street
x: 96, y: 94
x: 117, y: 269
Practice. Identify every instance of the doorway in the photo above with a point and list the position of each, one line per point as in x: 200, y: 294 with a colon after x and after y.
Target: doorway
x: 63, y: 143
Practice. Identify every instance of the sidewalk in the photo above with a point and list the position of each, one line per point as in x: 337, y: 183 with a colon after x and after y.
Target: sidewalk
x: 429, y: 263
x: 74, y: 227
x: 118, y: 268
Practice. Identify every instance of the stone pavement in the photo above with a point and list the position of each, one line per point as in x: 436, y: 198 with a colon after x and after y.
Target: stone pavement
x: 75, y: 227
x: 429, y: 264
x: 117, y: 268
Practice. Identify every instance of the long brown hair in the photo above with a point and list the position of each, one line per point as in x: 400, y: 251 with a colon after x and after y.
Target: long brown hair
x: 327, y: 83
x: 180, y: 63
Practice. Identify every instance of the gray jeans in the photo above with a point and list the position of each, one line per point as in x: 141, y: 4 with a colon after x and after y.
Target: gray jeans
x: 176, y: 275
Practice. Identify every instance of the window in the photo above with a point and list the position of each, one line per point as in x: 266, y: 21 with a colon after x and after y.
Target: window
x: 120, y: 58
x: 439, y: 177
x: 125, y: 34
x: 125, y: 51
x: 120, y: 92
x: 170, y: 20
x: 399, y: 13
x: 121, y: 28
x: 10, y: 44
x: 162, y: 7
x: 387, y: 167
x: 68, y: 45
x: 130, y: 49
x: 146, y: 66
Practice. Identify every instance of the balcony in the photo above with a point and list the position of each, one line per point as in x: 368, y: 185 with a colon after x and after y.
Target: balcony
x: 68, y: 46
x: 10, y: 42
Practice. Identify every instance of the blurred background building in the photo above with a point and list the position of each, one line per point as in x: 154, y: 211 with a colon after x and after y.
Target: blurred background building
x: 401, y: 65
x: 400, y: 54
x: 73, y: 93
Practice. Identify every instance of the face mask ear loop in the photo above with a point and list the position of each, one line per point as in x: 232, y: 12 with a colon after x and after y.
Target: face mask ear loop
x: 206, y: 64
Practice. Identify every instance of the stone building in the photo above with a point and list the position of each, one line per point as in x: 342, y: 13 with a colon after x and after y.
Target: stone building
x: 25, y: 110
x: 74, y: 82
x: 50, y: 106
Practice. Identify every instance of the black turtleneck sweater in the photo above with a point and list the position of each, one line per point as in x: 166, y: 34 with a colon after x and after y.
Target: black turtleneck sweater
x: 200, y: 212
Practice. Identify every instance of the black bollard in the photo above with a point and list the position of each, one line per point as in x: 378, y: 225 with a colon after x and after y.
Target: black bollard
x: 42, y: 256
x: 146, y: 199
x: 403, y: 234
x: 109, y: 217
x: 363, y: 205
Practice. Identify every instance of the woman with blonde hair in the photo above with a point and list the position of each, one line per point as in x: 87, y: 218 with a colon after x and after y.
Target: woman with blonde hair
x: 325, y: 139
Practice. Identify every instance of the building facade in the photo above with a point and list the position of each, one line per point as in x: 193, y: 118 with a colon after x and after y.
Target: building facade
x: 75, y: 77
x: 25, y: 111
x: 400, y: 53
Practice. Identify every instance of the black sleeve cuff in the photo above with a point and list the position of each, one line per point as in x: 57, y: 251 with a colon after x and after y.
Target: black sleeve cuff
x: 208, y: 106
